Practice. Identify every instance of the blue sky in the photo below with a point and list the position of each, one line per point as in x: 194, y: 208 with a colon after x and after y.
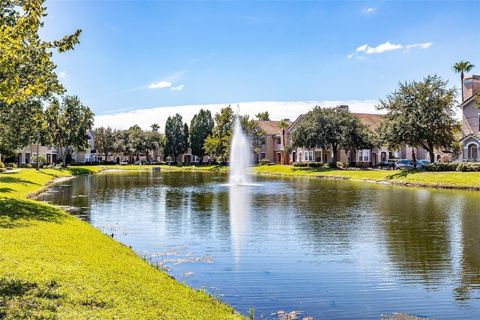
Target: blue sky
x: 145, y: 54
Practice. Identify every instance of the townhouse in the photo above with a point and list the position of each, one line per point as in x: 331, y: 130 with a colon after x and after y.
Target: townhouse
x: 470, y: 142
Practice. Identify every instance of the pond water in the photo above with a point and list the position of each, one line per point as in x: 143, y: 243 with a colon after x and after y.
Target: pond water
x: 326, y: 249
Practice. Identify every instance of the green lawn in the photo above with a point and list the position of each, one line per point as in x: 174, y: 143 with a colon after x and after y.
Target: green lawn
x: 52, y: 265
x: 428, y: 179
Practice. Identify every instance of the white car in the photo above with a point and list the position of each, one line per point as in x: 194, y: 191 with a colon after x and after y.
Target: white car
x: 123, y: 162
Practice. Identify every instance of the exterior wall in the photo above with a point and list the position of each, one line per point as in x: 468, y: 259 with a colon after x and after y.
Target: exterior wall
x: 471, y: 118
x: 26, y: 155
x: 471, y: 86
x: 468, y: 149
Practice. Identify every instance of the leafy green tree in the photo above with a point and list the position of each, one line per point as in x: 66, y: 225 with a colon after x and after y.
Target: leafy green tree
x: 329, y: 128
x: 104, y: 141
x: 218, y: 143
x: 263, y: 116
x: 420, y: 114
x: 462, y: 67
x: 26, y: 67
x: 201, y: 127
x: 176, y: 137
x: 154, y: 142
x: 21, y: 124
x: 136, y: 144
x: 68, y: 122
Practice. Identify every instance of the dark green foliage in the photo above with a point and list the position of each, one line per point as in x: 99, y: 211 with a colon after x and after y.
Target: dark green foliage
x: 331, y: 127
x: 442, y: 166
x: 263, y: 116
x: 420, y: 114
x: 469, y: 167
x: 176, y: 137
x: 201, y: 127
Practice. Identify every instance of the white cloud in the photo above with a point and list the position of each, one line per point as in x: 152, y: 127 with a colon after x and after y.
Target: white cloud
x: 386, y: 47
x: 160, y: 85
x: 177, y: 88
x: 369, y: 10
x: 277, y: 109
x: 62, y: 74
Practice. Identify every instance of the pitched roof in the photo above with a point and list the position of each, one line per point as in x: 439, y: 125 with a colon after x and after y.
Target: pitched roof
x: 271, y: 127
x: 370, y: 120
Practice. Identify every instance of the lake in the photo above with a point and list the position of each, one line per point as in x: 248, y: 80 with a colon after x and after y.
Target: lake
x: 323, y: 248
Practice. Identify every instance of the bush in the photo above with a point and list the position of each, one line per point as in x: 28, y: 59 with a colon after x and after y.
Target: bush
x: 11, y: 165
x: 28, y: 165
x: 342, y: 165
x: 2, y: 170
x: 264, y: 162
x: 310, y: 164
x: 469, y: 167
x: 2, y: 166
x: 442, y: 166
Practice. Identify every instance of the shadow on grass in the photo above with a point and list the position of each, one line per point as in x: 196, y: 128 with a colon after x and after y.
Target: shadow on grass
x: 311, y: 169
x: 5, y: 179
x: 28, y: 300
x: 402, y: 174
x: 17, y: 213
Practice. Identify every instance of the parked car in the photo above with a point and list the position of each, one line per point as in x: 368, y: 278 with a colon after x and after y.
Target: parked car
x: 404, y: 164
x: 140, y: 162
x: 390, y: 164
x: 421, y: 164
x: 123, y: 162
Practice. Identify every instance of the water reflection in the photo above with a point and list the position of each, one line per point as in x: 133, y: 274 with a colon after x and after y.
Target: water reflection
x: 334, y: 249
x: 239, y: 198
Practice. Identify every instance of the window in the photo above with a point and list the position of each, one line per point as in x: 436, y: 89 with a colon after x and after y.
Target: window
x: 308, y: 156
x: 279, y: 141
x: 364, y: 155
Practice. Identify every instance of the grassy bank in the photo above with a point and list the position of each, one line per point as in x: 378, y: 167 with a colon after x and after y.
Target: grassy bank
x: 460, y: 180
x: 53, y: 265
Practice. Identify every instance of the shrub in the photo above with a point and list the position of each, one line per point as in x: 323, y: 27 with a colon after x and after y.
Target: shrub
x: 2, y: 170
x: 263, y: 162
x: 11, y: 165
x: 28, y: 165
x: 342, y: 165
x: 310, y: 164
x: 2, y: 166
x: 442, y: 166
x: 469, y: 167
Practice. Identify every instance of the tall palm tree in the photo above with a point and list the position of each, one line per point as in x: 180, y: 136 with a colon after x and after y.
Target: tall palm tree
x: 283, y: 124
x: 462, y: 67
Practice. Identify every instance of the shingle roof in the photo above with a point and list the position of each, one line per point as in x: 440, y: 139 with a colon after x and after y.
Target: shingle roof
x: 370, y: 120
x: 271, y: 127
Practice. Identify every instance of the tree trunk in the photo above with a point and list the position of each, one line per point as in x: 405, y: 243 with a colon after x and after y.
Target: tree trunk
x: 334, y: 156
x: 414, y: 159
x: 432, y: 156
x: 106, y: 157
x: 461, y: 80
x: 38, y: 155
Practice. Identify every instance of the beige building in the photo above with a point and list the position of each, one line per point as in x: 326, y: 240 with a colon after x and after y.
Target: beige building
x: 272, y: 143
x: 471, y: 119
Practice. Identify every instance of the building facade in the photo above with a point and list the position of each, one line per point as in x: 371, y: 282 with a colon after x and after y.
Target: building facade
x: 470, y: 142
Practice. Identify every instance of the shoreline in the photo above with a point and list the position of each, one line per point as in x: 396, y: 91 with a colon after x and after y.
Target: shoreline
x: 383, y: 182
x: 86, y: 273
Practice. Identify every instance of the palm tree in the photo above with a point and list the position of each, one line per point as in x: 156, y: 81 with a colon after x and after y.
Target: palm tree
x: 462, y: 67
x: 284, y: 125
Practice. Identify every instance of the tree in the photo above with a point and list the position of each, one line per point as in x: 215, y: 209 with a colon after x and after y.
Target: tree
x: 176, y: 137
x: 420, y: 114
x: 104, y: 141
x: 263, y: 116
x: 284, y: 126
x: 136, y: 143
x: 201, y: 127
x: 329, y: 128
x: 462, y: 67
x: 155, y: 127
x: 218, y: 143
x: 26, y: 68
x: 68, y: 122
x: 20, y: 125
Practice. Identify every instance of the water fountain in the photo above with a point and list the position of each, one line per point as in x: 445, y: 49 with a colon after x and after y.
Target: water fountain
x: 240, y: 156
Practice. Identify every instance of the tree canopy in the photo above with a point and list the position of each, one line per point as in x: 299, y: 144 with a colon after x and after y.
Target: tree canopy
x: 176, y: 137
x: 68, y: 122
x: 263, y: 116
x: 201, y: 127
x: 330, y: 128
x: 26, y: 67
x: 420, y: 114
